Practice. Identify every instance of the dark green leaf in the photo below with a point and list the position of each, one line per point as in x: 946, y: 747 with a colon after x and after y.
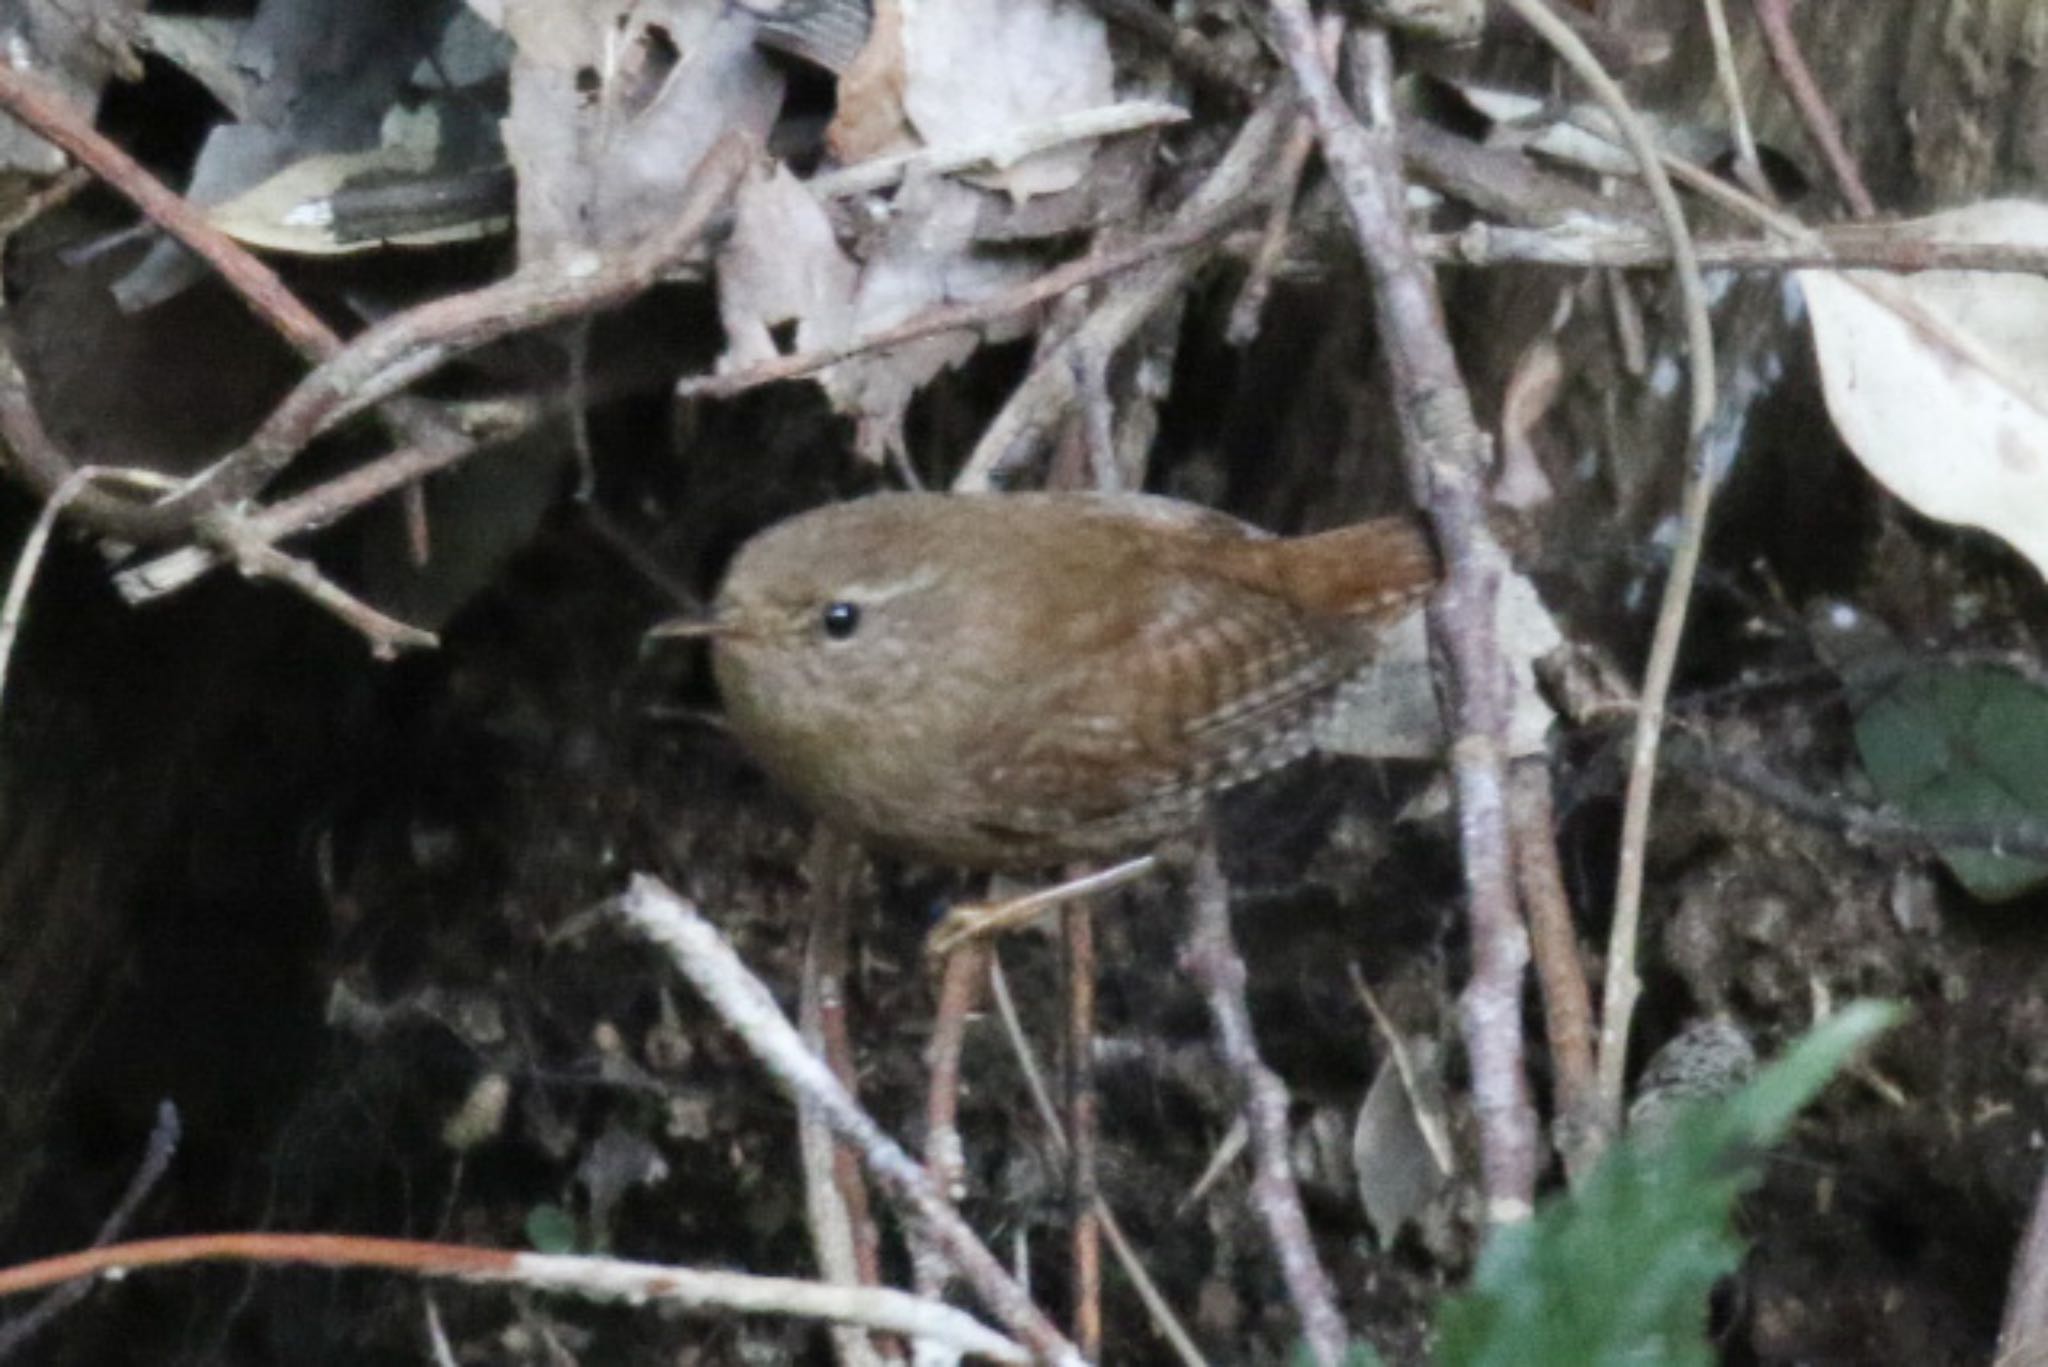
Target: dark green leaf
x: 550, y: 1229
x: 1619, y: 1273
x: 1969, y: 746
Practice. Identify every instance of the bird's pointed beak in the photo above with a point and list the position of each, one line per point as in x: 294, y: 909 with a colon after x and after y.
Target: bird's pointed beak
x: 714, y: 626
x: 687, y: 627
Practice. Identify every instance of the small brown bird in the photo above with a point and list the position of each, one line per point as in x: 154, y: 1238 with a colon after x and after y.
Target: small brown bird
x: 1012, y: 681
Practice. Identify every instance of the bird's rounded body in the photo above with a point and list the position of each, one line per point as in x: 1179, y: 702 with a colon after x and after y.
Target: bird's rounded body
x: 1019, y: 680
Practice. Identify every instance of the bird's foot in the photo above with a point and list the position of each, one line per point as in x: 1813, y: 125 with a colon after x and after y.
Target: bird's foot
x: 984, y: 920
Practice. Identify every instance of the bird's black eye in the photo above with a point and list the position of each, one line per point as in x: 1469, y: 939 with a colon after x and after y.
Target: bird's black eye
x: 841, y: 620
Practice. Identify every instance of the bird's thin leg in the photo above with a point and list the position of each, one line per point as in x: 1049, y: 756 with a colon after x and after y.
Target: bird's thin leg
x: 978, y: 920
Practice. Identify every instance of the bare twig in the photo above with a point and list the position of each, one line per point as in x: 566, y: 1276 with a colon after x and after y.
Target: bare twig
x: 1858, y: 247
x: 53, y: 117
x: 1243, y: 325
x: 31, y: 558
x: 1211, y: 958
x: 945, y: 1153
x: 156, y: 1161
x: 746, y: 1005
x: 843, y: 1231
x: 31, y: 446
x: 1567, y: 1004
x: 1622, y: 985
x: 1857, y: 822
x: 694, y: 1291
x: 1163, y: 1319
x: 258, y: 559
x: 1626, y: 48
x: 959, y: 993
x: 1427, y: 1120
x: 61, y: 190
x: 1748, y: 169
x: 329, y: 502
x: 1012, y: 146
x: 402, y: 349
x: 1041, y: 402
x: 1045, y: 289
x: 1813, y: 107
x: 56, y: 119
x: 1446, y: 459
x: 1078, y: 921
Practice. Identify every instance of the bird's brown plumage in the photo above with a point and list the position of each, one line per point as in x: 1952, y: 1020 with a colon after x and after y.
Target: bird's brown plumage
x: 1037, y: 678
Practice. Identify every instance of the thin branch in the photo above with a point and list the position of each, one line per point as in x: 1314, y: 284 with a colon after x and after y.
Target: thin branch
x: 966, y: 966
x: 945, y: 1155
x: 1211, y: 958
x: 1047, y: 288
x: 843, y: 1233
x: 258, y: 559
x: 1567, y: 1004
x: 1041, y: 403
x: 1584, y: 244
x: 30, y: 561
x: 1083, y: 1121
x: 1242, y: 329
x: 329, y: 502
x: 402, y: 349
x: 57, y: 120
x: 1446, y: 458
x: 156, y: 1161
x: 1783, y: 45
x: 1006, y: 149
x: 54, y: 118
x: 1435, y: 1137
x: 1249, y: 307
x: 1623, y: 986
x: 745, y: 1004
x: 1857, y: 822
x: 1163, y: 1318
x: 693, y: 1291
x: 1748, y: 168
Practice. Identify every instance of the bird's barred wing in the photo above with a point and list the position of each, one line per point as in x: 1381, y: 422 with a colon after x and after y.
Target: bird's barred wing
x: 1215, y: 686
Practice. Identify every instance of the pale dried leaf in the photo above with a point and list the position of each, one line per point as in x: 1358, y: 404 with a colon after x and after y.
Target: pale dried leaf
x: 1397, y: 1170
x: 291, y: 211
x: 926, y: 260
x: 604, y: 132
x: 977, y: 69
x: 1389, y: 711
x: 1531, y: 391
x: 782, y: 266
x: 1939, y: 381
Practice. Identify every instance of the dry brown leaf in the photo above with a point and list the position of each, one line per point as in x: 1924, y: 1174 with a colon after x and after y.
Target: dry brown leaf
x: 870, y: 121
x: 1532, y: 390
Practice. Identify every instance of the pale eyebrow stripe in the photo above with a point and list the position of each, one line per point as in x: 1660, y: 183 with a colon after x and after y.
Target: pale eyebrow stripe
x: 872, y: 593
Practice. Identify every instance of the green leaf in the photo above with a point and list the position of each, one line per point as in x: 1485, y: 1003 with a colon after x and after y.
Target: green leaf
x: 1357, y: 1353
x: 1969, y: 746
x: 550, y: 1229
x: 1619, y: 1273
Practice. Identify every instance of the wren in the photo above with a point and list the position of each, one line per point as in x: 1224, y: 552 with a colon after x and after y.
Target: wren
x: 1014, y: 681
